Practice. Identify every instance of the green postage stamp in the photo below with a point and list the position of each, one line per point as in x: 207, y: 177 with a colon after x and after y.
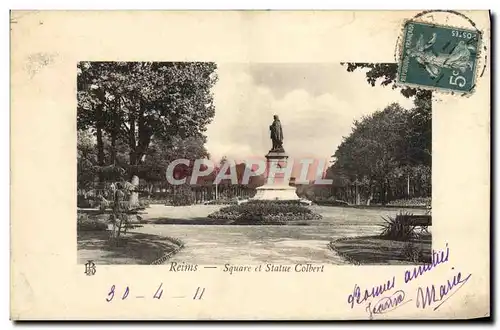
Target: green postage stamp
x: 438, y: 57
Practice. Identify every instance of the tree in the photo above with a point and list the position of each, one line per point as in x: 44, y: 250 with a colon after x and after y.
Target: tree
x: 161, y: 153
x: 374, y: 148
x: 183, y: 195
x: 86, y: 160
x: 139, y: 102
x: 420, y: 147
x: 375, y: 158
x: 405, y: 154
x: 385, y: 74
x: 91, y: 102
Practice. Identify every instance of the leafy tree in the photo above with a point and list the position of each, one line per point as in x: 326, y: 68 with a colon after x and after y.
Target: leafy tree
x: 374, y: 147
x: 389, y: 149
x: 86, y: 160
x: 420, y: 136
x: 375, y: 157
x: 141, y: 102
x: 385, y: 74
x: 91, y: 105
x: 162, y: 152
x: 183, y: 195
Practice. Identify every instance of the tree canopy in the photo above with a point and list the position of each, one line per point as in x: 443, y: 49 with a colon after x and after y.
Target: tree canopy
x: 152, y: 111
x: 378, y: 157
x: 420, y: 121
x: 388, y: 154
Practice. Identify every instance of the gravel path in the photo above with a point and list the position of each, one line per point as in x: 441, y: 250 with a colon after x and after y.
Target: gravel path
x: 221, y: 244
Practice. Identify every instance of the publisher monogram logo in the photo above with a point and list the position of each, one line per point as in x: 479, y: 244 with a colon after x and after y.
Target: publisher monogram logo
x: 90, y: 268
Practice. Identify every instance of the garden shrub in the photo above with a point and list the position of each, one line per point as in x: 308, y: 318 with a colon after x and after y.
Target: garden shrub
x: 148, y: 201
x: 395, y: 229
x: 86, y: 223
x: 84, y: 202
x: 265, y: 212
x: 408, y: 202
x: 183, y: 196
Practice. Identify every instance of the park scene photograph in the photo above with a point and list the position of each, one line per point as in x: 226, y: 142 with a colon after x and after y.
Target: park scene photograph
x: 192, y: 163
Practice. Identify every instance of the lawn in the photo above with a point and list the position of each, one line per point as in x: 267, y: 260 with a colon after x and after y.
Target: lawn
x: 132, y: 248
x: 207, y: 243
x: 377, y: 251
x: 332, y: 215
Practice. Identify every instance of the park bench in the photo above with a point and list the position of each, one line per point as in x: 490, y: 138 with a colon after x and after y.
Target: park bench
x: 422, y: 221
x: 415, y: 220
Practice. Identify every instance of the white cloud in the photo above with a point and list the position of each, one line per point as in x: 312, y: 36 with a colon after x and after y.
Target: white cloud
x: 313, y: 124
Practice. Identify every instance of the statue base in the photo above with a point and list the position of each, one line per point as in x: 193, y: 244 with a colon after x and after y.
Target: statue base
x: 273, y: 192
x: 276, y: 189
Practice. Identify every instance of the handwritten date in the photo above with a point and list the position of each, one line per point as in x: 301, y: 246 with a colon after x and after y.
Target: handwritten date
x: 124, y: 294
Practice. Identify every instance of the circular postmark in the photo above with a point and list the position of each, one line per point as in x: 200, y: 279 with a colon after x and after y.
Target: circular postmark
x: 440, y: 50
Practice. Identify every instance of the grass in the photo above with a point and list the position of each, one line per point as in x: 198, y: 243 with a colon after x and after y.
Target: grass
x: 337, y: 222
x: 376, y: 250
x: 331, y: 215
x: 133, y: 248
x: 398, y: 242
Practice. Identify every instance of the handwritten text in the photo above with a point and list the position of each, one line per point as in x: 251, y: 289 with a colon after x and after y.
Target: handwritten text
x: 428, y: 296
x: 357, y: 298
x: 438, y: 257
x: 387, y: 304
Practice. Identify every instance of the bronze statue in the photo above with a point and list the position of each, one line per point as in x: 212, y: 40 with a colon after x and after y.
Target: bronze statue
x: 276, y: 135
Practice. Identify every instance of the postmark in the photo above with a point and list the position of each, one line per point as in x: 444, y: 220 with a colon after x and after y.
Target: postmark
x: 438, y: 57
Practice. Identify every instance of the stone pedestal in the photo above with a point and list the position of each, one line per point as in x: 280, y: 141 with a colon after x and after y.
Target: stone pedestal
x: 279, y: 188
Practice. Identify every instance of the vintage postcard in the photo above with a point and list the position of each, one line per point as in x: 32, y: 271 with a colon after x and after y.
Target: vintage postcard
x: 250, y: 165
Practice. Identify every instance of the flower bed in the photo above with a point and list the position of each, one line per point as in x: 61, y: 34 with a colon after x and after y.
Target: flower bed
x: 265, y: 212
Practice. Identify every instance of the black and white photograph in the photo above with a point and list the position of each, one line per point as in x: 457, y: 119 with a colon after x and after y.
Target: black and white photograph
x: 188, y: 163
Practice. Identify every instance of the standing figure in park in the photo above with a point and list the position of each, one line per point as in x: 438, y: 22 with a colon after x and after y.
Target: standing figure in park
x: 276, y: 135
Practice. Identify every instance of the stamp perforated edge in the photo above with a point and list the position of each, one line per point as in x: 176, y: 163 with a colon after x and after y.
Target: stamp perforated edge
x: 480, y: 49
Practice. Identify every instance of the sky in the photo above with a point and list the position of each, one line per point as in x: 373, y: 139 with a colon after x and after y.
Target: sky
x: 316, y: 103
